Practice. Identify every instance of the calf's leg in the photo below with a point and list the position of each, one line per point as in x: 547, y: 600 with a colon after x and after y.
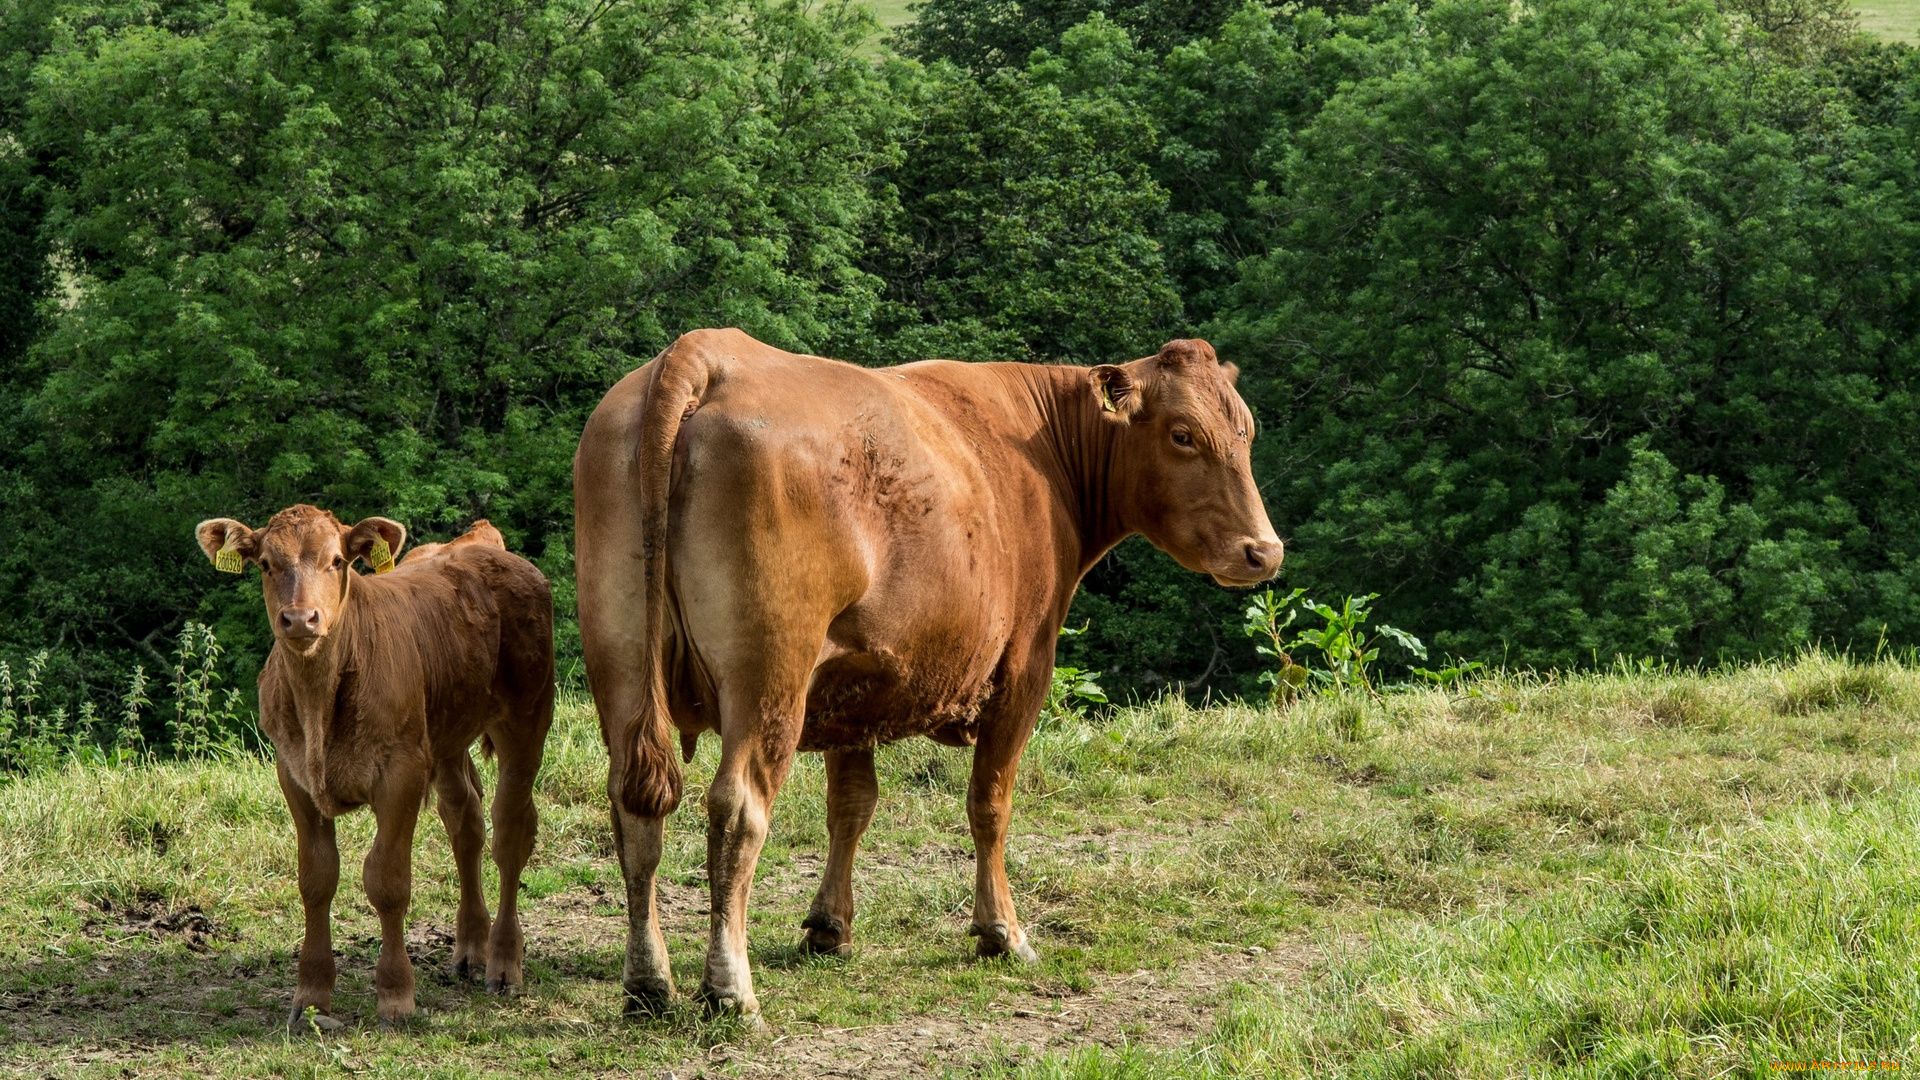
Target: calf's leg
x: 319, y: 871
x: 458, y: 784
x: 388, y: 877
x: 514, y: 823
x: 852, y: 793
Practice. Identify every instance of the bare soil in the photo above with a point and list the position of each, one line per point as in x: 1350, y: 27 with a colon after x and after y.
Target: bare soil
x: 1146, y: 1008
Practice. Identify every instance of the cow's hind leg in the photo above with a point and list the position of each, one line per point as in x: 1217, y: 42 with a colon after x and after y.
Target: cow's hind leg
x: 514, y: 823
x: 388, y: 877
x: 458, y: 784
x: 759, y: 731
x: 319, y: 870
x: 852, y: 793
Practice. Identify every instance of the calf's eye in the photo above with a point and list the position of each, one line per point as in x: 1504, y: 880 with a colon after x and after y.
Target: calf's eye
x: 1182, y: 438
x: 338, y: 562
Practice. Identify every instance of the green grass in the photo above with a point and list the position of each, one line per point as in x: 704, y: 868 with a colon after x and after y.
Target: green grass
x: 891, y: 12
x: 1896, y: 20
x: 1599, y: 875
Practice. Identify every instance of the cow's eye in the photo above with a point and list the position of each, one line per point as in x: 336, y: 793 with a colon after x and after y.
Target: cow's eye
x: 338, y: 562
x: 1182, y: 437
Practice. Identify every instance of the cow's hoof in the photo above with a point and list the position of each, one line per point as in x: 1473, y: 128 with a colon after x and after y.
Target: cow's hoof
x: 391, y: 1024
x: 996, y: 940
x: 464, y: 971
x: 503, y: 988
x: 305, y: 1020
x: 648, y: 997
x: 730, y: 1003
x: 827, y: 935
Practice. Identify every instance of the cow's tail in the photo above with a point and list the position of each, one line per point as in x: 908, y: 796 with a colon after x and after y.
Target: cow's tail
x: 652, y: 786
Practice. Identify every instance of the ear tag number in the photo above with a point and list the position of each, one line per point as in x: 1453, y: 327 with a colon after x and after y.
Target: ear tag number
x: 381, y: 556
x: 227, y: 559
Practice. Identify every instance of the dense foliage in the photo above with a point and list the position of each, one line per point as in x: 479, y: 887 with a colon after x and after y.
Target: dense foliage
x: 1574, y: 330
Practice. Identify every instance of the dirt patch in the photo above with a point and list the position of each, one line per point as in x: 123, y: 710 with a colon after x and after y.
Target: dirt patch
x: 189, y: 925
x: 1147, y: 1008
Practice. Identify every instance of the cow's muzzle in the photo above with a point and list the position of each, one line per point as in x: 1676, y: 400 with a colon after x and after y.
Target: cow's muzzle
x: 300, y: 623
x: 1257, y: 561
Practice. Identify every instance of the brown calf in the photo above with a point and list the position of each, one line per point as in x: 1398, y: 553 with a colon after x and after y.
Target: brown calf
x: 806, y: 555
x: 376, y: 688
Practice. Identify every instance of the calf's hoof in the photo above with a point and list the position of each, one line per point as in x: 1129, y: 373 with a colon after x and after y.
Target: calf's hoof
x: 648, y: 997
x: 303, y: 1022
x: 827, y: 935
x: 465, y: 971
x: 997, y: 940
x: 503, y: 988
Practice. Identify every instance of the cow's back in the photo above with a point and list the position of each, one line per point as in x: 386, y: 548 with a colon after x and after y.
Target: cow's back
x: 853, y: 504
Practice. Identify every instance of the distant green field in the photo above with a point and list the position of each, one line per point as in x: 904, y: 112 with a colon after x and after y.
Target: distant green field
x: 1896, y: 19
x: 891, y: 12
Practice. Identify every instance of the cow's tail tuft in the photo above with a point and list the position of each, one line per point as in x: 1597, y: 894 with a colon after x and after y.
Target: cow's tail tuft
x: 652, y: 786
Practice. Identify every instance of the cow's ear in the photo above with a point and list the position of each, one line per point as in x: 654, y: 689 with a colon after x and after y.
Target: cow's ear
x: 1116, y: 391
x: 377, y: 540
x: 1230, y: 371
x: 226, y: 542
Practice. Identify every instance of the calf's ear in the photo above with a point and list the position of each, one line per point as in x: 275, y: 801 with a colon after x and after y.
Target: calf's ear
x: 364, y: 541
x: 226, y: 542
x: 1230, y: 371
x: 1116, y: 391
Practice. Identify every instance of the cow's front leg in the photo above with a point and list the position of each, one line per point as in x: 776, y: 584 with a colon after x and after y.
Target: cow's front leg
x: 989, y: 809
x: 388, y: 877
x: 852, y: 793
x: 319, y: 870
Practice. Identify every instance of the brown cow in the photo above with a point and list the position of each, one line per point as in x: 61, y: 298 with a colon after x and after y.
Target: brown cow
x: 807, y: 555
x: 376, y: 688
x: 480, y: 532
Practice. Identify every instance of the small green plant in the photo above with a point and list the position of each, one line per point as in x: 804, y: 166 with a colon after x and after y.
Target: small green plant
x: 1345, y: 646
x: 1071, y: 686
x: 208, y: 720
x: 128, y: 743
x: 1269, y: 618
x: 28, y: 738
x: 201, y: 727
x: 1448, y: 677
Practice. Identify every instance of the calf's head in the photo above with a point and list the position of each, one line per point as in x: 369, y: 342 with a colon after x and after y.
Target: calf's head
x: 306, y: 559
x: 1184, y: 470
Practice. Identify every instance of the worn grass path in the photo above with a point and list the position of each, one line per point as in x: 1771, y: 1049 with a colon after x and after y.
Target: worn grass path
x: 1641, y: 874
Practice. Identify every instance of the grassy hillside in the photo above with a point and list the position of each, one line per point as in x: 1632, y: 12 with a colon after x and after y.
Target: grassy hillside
x: 1895, y: 19
x: 1640, y: 873
x: 1898, y: 20
x: 891, y: 12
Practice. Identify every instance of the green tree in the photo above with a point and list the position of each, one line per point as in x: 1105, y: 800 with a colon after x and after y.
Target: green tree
x: 1572, y: 348
x: 1021, y: 223
x: 384, y: 258
x: 983, y: 37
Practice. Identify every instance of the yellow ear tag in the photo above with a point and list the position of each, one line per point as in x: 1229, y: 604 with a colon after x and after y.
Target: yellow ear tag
x: 381, y: 556
x: 1106, y: 403
x: 227, y: 560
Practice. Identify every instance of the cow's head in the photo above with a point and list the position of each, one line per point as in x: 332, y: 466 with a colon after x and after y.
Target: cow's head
x: 1185, y: 470
x: 306, y: 558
